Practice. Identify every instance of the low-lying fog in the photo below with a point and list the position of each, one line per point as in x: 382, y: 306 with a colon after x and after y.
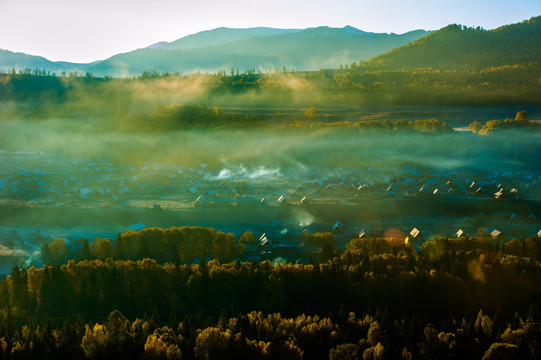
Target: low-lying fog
x: 274, y: 148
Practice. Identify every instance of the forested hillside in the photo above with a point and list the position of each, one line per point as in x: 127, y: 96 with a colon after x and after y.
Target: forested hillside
x: 459, y: 48
x: 457, y: 298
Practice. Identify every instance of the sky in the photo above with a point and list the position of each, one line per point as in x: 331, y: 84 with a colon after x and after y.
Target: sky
x: 90, y: 30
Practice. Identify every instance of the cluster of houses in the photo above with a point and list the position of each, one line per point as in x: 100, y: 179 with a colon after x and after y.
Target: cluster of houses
x: 34, y: 179
x: 49, y: 179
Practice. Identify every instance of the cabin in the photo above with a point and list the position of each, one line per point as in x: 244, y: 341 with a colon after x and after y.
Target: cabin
x: 513, y: 193
x: 460, y: 233
x: 264, y: 242
x: 362, y: 189
x: 363, y: 234
x: 200, y: 201
x: 337, y: 227
x: 496, y: 234
x: 416, y: 235
x: 137, y: 227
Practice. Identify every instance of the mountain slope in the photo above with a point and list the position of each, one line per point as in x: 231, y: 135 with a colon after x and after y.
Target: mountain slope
x: 222, y: 35
x: 459, y: 48
x: 308, y: 49
x: 20, y: 61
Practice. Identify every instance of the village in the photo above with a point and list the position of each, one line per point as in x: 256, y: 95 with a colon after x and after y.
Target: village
x: 81, y: 198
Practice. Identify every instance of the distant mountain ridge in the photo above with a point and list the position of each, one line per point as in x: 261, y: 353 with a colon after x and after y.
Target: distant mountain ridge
x: 222, y: 35
x: 453, y: 47
x: 260, y: 48
x: 20, y: 61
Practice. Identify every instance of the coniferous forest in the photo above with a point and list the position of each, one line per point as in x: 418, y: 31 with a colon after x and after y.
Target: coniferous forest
x: 380, y: 299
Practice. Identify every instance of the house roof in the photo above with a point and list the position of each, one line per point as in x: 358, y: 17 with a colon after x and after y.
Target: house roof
x: 137, y: 227
x: 363, y: 233
x: 338, y: 225
x: 263, y: 240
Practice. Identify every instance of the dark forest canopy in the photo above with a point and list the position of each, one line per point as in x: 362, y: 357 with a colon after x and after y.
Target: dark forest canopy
x: 458, y: 298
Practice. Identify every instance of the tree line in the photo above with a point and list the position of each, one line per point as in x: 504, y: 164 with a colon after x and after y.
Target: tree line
x: 520, y: 122
x: 173, y: 245
x: 456, y: 298
x: 510, y: 84
x: 425, y: 126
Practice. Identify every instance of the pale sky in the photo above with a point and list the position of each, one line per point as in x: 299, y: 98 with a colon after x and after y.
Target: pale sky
x: 89, y: 30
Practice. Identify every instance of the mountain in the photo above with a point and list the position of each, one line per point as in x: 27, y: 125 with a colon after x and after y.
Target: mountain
x: 157, y: 45
x: 456, y: 47
x: 258, y: 48
x: 20, y: 61
x: 221, y: 36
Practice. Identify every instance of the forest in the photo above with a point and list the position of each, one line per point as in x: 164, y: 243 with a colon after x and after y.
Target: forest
x: 380, y: 299
x: 39, y: 94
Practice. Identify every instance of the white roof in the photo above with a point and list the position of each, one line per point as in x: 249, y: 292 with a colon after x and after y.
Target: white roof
x: 415, y: 232
x: 201, y: 199
x: 263, y: 240
x: 459, y: 233
x: 495, y: 233
x: 363, y: 233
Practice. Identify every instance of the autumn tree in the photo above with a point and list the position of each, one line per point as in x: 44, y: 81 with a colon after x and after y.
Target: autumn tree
x: 312, y: 113
x: 212, y: 343
x: 521, y: 116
